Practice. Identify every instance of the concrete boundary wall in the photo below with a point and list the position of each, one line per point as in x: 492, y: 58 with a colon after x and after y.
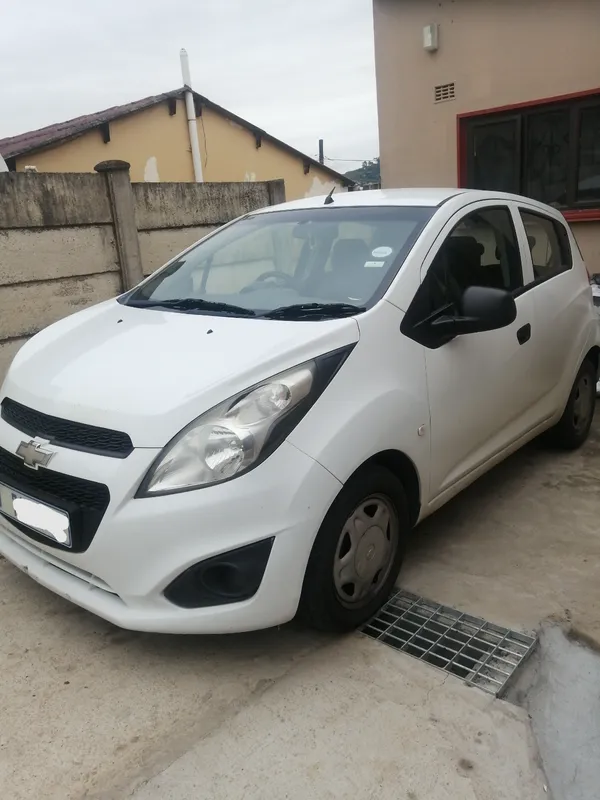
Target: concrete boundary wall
x: 29, y: 200
x: 187, y: 205
x: 68, y: 241
x: 172, y: 216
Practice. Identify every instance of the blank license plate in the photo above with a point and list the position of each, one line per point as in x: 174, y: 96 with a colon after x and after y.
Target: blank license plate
x: 44, y: 519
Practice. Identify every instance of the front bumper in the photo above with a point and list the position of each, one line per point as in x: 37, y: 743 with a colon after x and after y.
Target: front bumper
x: 142, y: 545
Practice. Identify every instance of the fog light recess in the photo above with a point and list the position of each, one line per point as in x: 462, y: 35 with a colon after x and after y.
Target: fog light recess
x: 227, y: 578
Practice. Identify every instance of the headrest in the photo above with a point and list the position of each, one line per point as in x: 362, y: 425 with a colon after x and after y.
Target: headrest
x: 349, y: 254
x: 466, y: 247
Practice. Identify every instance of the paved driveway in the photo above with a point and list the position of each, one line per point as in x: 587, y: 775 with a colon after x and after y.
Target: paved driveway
x: 91, y: 711
x: 521, y: 544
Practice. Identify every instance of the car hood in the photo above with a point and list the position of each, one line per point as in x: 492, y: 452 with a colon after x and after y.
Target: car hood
x: 149, y: 372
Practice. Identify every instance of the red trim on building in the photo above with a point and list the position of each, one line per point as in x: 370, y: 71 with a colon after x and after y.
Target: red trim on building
x: 543, y: 101
x: 461, y: 152
x: 573, y: 215
x: 583, y: 215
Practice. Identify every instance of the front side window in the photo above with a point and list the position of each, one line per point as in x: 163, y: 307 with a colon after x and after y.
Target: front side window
x: 548, y: 152
x: 548, y: 244
x: 482, y: 250
x: 304, y: 261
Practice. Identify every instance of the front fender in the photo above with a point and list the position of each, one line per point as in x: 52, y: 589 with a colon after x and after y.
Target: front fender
x: 377, y: 402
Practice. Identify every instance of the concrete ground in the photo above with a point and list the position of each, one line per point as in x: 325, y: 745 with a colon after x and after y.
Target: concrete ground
x: 559, y: 689
x: 521, y: 544
x: 91, y: 711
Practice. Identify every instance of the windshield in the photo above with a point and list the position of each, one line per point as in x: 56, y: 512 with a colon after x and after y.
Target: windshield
x: 309, y: 263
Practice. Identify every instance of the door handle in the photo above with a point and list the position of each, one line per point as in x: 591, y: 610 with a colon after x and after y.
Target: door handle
x: 524, y: 334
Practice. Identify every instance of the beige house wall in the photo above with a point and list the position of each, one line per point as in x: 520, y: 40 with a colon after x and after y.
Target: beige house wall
x: 230, y: 154
x: 157, y: 146
x: 137, y: 139
x: 497, y: 53
x: 588, y: 239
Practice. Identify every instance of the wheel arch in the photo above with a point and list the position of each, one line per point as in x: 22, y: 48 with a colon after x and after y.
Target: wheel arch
x: 405, y: 470
x: 593, y: 355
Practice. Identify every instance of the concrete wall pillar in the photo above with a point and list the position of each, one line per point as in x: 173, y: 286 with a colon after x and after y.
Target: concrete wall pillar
x: 124, y: 222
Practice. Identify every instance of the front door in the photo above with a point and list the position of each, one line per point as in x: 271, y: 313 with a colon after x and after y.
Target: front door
x: 478, y: 387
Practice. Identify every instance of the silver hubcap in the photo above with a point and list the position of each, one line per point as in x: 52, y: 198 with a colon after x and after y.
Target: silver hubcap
x: 584, y: 400
x: 365, y: 551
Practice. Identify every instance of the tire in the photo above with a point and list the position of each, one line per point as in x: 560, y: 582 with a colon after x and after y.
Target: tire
x: 353, y: 565
x: 574, y: 426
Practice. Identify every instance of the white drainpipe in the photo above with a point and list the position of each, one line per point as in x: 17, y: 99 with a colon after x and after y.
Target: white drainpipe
x: 191, y: 115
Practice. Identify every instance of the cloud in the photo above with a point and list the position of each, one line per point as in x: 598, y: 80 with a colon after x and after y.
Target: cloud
x: 302, y: 70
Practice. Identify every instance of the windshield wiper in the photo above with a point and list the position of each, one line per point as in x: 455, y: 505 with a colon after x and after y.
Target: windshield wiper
x: 194, y: 304
x: 314, y: 311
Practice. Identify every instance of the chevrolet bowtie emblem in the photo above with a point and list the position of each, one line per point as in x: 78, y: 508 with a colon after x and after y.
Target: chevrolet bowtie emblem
x: 33, y: 453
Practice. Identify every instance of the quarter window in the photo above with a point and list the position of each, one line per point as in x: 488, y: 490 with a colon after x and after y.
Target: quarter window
x: 548, y: 244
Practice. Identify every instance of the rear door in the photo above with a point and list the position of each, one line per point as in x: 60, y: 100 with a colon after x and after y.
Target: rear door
x: 560, y: 295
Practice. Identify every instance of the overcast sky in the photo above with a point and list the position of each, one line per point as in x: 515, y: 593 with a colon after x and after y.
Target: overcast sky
x: 300, y: 69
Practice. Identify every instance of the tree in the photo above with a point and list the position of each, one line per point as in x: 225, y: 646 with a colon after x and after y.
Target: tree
x: 368, y: 173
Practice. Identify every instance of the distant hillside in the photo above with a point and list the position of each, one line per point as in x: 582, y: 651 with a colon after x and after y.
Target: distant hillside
x: 368, y: 173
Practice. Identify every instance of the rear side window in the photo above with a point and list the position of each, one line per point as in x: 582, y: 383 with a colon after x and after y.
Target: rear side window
x: 548, y: 244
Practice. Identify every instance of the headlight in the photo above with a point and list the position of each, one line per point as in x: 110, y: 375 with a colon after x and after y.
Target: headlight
x: 238, y: 434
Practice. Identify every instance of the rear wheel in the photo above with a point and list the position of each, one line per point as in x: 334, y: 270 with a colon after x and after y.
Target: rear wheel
x: 357, y: 553
x: 574, y: 426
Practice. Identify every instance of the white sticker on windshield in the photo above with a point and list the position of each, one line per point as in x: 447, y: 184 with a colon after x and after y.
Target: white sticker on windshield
x: 374, y: 263
x: 382, y: 252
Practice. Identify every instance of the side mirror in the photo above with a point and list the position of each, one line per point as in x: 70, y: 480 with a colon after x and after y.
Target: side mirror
x: 481, y: 309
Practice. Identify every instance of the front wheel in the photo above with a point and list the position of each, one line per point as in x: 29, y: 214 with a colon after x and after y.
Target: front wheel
x: 574, y: 426
x: 358, y: 552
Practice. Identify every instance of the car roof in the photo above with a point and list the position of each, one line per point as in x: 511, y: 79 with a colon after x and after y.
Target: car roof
x: 376, y: 197
x: 421, y: 197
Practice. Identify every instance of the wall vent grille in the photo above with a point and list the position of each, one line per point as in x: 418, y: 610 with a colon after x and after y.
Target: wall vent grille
x: 444, y: 92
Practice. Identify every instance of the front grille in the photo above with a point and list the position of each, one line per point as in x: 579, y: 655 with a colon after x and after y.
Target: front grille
x: 62, y: 487
x: 64, y: 433
x: 84, y: 501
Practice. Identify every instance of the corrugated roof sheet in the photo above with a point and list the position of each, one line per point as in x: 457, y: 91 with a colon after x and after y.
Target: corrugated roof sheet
x: 32, y: 141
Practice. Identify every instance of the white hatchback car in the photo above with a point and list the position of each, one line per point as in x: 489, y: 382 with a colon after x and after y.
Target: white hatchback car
x: 254, y: 430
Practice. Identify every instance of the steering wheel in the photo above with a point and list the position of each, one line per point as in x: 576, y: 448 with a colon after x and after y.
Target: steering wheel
x: 283, y: 280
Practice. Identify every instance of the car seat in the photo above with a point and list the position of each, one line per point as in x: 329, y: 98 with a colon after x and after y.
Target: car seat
x: 347, y: 276
x: 464, y: 260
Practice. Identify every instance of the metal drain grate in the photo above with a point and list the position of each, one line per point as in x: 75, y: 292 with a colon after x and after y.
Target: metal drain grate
x: 480, y: 653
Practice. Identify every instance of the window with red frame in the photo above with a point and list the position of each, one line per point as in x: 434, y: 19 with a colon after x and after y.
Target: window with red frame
x: 550, y: 152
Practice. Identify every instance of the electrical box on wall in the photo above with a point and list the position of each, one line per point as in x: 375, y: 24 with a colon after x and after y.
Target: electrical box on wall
x: 431, y: 38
